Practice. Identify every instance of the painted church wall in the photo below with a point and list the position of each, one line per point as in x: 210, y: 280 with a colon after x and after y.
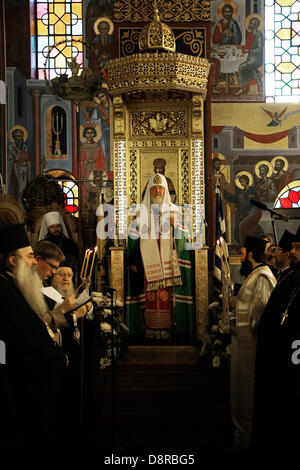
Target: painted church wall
x: 257, y: 146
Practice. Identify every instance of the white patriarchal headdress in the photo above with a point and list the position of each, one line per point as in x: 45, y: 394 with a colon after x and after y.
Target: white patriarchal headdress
x: 52, y: 218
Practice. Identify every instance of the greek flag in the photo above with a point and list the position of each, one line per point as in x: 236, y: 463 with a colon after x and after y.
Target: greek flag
x: 221, y: 250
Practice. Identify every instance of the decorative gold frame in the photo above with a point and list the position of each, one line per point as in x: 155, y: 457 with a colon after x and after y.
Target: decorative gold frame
x: 158, y: 112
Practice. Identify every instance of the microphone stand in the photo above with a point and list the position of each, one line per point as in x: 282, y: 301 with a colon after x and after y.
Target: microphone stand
x: 274, y: 228
x: 263, y: 207
x: 111, y: 292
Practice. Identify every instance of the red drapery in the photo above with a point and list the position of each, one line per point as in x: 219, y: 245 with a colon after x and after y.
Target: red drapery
x: 262, y: 138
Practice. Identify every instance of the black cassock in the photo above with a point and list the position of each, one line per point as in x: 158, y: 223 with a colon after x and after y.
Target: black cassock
x: 31, y: 406
x: 276, y: 411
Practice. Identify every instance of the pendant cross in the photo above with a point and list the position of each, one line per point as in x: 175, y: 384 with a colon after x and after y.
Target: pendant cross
x: 284, y: 315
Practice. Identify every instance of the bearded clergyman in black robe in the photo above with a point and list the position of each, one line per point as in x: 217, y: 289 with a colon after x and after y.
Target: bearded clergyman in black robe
x: 277, y: 372
x: 34, y: 364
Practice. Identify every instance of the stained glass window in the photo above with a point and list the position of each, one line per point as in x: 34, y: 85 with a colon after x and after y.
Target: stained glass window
x: 289, y: 197
x: 71, y: 196
x: 282, y: 51
x: 58, y: 36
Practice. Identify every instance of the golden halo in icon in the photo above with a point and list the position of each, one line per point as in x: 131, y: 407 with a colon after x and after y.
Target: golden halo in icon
x: 267, y: 164
x: 218, y: 155
x: 239, y: 175
x: 227, y: 2
x: 14, y: 128
x: 107, y: 20
x: 280, y: 157
x: 96, y: 128
x: 258, y: 17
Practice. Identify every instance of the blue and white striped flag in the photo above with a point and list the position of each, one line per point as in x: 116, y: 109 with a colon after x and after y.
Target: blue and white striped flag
x: 221, y: 250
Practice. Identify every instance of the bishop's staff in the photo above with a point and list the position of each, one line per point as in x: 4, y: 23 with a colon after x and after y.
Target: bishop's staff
x: 223, y: 255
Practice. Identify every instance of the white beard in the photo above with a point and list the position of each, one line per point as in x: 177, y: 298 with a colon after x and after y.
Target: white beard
x: 157, y: 200
x: 30, y: 285
x: 64, y: 291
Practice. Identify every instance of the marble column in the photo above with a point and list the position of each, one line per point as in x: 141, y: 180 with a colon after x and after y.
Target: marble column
x: 37, y: 150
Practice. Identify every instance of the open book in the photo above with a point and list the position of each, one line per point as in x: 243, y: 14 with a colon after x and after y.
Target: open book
x: 53, y: 294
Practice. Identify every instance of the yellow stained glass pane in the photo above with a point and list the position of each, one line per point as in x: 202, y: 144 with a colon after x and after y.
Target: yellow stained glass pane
x: 66, y: 18
x: 286, y: 67
x: 60, y: 61
x: 77, y: 43
x: 52, y: 18
x: 77, y: 9
x: 60, y: 28
x: 286, y: 3
x: 59, y: 9
x: 67, y: 52
x: 50, y: 7
x: 285, y: 33
x: 42, y: 29
x: 60, y: 39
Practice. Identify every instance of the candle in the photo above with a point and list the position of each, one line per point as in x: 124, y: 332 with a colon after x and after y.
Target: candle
x: 83, y: 264
x: 92, y: 265
x: 87, y: 263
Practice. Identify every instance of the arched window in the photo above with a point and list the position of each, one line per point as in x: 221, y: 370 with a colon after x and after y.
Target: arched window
x: 70, y: 188
x: 57, y: 36
x: 71, y: 196
x: 282, y: 60
x: 289, y: 197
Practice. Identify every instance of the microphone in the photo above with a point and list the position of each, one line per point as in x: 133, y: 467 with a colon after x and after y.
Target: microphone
x: 108, y: 289
x: 263, y: 207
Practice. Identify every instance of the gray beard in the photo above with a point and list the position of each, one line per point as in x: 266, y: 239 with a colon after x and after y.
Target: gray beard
x: 30, y: 285
x: 64, y: 292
